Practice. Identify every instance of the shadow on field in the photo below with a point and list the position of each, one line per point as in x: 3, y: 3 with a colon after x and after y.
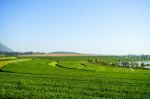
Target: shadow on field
x: 19, y: 73
x: 6, y: 71
x: 73, y: 68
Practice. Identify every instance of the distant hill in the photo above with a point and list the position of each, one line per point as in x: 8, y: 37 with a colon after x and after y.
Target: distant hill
x: 61, y: 52
x: 4, y: 48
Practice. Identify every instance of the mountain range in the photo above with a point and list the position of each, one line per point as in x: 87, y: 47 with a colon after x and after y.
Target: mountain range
x: 4, y: 48
x: 63, y: 52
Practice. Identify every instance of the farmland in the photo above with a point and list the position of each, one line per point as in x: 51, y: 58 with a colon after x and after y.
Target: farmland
x: 72, y: 77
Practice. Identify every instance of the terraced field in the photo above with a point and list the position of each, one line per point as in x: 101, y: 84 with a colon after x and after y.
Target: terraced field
x: 71, y: 78
x: 7, y: 60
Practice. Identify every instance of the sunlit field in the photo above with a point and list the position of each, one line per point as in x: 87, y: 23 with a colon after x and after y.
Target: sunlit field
x: 71, y: 77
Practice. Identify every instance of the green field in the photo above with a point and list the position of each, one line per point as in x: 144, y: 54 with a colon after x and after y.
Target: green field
x: 71, y: 78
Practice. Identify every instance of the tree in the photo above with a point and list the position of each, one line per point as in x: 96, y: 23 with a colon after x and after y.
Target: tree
x: 142, y: 65
x: 125, y: 64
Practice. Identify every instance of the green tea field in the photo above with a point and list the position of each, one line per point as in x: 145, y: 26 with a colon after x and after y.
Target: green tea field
x: 70, y: 78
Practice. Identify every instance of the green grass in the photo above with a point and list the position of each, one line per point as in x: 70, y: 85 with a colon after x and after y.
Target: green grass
x: 4, y: 58
x: 11, y: 60
x: 54, y: 63
x: 72, y: 78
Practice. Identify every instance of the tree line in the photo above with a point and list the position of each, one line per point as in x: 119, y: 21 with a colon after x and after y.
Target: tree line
x: 2, y: 53
x: 124, y: 61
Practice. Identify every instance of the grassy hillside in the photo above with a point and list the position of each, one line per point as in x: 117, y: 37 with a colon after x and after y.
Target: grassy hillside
x: 72, y: 77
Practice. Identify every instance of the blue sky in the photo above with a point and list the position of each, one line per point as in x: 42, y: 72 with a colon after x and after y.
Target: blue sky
x: 86, y: 26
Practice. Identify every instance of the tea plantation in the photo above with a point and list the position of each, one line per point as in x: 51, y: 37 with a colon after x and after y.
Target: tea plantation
x: 70, y: 78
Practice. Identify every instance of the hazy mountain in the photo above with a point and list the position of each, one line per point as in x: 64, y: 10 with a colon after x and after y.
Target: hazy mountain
x: 4, y: 48
x: 61, y: 52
